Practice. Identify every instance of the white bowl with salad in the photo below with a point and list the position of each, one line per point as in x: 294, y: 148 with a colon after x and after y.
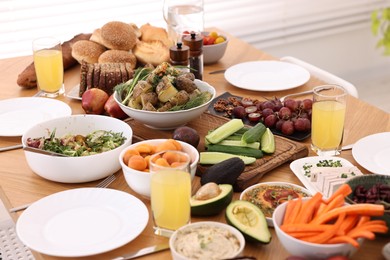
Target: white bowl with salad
x: 90, y: 145
x: 163, y: 103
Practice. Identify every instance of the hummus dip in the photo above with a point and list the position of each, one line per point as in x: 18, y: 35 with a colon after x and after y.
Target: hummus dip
x: 206, y: 242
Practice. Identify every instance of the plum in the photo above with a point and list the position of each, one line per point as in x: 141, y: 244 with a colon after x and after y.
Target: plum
x: 186, y: 134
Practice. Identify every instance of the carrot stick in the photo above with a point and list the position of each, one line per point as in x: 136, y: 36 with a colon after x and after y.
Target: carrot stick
x: 375, y: 228
x: 320, y: 209
x: 328, y: 234
x: 338, y: 201
x: 289, y: 208
x: 343, y: 239
x: 363, y: 209
x: 363, y: 219
x: 308, y: 209
x: 305, y: 227
x: 300, y: 234
x: 344, y: 190
x: 295, y: 212
x: 356, y: 233
x: 349, y: 222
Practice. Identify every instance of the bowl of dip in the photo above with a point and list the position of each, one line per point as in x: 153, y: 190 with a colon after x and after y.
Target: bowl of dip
x: 268, y: 195
x: 206, y: 240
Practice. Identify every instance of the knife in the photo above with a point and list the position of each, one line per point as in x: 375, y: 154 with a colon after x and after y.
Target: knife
x: 144, y: 251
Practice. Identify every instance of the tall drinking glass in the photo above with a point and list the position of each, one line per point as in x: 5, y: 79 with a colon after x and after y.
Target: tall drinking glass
x: 328, y: 115
x: 170, y: 191
x: 48, y: 66
x: 182, y: 16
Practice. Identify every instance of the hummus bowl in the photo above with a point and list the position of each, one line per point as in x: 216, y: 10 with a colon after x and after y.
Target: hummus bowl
x: 268, y: 195
x: 206, y: 240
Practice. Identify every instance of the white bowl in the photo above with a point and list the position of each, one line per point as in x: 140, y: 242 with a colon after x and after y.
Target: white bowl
x: 168, y: 120
x: 305, y: 249
x: 292, y: 186
x: 208, y: 224
x: 76, y: 169
x: 214, y: 52
x: 139, y: 181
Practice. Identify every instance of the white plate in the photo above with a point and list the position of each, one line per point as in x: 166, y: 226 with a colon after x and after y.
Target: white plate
x: 82, y: 222
x: 267, y: 75
x: 74, y: 93
x: 297, y: 168
x: 373, y: 153
x: 19, y: 114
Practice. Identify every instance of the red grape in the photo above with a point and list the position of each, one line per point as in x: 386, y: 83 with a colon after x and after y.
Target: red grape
x: 300, y: 124
x: 287, y: 127
x: 251, y: 109
x: 279, y: 124
x: 246, y: 102
x: 284, y: 113
x: 239, y: 112
x: 307, y: 104
x: 291, y: 104
x: 254, y: 117
x: 267, y: 104
x: 266, y: 112
x: 270, y: 121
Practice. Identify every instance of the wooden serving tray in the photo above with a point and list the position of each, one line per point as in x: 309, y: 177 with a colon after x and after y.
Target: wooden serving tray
x: 286, y: 149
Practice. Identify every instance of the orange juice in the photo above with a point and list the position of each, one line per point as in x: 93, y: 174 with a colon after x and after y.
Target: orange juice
x: 327, y: 124
x: 49, y: 69
x: 170, y: 200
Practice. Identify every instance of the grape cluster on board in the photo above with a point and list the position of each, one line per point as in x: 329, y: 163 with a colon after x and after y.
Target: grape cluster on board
x: 288, y: 117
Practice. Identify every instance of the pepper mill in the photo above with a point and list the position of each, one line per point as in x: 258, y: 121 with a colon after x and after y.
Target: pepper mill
x: 195, y: 43
x: 179, y: 56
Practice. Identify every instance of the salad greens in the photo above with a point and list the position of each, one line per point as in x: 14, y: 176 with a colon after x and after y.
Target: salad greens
x: 77, y: 145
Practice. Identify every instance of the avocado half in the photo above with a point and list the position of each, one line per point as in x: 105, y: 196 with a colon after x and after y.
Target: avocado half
x: 249, y: 219
x: 214, y: 205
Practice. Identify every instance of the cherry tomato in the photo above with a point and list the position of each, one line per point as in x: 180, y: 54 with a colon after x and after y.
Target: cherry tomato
x: 207, y: 40
x: 338, y: 257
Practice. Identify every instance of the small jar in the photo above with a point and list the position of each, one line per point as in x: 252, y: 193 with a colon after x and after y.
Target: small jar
x: 195, y: 43
x: 179, y: 56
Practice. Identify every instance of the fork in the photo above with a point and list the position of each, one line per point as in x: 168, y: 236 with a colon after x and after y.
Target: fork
x: 103, y: 184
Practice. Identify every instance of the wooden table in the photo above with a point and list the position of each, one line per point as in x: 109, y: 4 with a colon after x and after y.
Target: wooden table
x: 21, y: 185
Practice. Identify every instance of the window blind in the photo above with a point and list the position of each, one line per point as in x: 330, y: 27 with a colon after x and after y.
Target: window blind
x: 262, y: 23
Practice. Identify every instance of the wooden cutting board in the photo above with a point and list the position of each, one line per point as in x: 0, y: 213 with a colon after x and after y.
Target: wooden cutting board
x: 286, y: 149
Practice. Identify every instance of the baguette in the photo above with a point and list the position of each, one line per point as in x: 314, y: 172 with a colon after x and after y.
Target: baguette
x: 28, y: 79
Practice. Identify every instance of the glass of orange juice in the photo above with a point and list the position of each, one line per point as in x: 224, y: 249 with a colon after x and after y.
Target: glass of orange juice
x: 170, y: 191
x: 48, y: 66
x: 328, y: 115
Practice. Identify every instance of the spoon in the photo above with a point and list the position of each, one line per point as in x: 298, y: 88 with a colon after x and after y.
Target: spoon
x: 37, y: 150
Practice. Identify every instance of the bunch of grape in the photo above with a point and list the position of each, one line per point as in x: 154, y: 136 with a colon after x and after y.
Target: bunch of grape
x: 287, y: 117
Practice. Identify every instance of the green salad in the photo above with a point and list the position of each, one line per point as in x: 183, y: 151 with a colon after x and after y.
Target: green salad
x: 78, y: 145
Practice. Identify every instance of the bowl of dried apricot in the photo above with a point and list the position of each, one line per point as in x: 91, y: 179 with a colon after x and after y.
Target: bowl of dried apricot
x: 134, y: 161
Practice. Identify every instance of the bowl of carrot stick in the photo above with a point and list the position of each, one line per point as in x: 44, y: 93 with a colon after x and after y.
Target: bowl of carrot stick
x: 317, y: 227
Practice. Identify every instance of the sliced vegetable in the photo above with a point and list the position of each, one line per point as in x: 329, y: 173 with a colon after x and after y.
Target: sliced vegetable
x: 216, y: 157
x: 227, y: 142
x: 268, y: 141
x: 254, y: 134
x: 245, y: 151
x: 224, y: 131
x: 212, y: 206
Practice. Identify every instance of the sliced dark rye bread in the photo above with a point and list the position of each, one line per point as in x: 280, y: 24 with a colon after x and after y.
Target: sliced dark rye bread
x: 96, y: 75
x: 90, y: 76
x: 83, y: 78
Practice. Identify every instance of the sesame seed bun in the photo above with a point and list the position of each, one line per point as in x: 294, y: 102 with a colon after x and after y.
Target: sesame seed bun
x: 88, y: 51
x: 118, y: 56
x: 118, y: 36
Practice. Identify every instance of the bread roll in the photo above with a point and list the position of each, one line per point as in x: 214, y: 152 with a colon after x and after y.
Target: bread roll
x: 96, y: 36
x: 152, y: 52
x: 87, y: 51
x: 118, y: 56
x: 118, y: 36
x: 152, y: 33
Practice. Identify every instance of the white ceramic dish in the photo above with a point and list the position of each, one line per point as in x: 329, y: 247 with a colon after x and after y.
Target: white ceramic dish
x: 168, y: 120
x: 193, y: 226
x: 373, y: 153
x: 307, y: 250
x: 82, y: 222
x: 139, y: 181
x: 277, y: 184
x: 297, y: 168
x: 266, y: 75
x: 214, y: 52
x: 74, y: 93
x: 76, y: 169
x: 19, y: 114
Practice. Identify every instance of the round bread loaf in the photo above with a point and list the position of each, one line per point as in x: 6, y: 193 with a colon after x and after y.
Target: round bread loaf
x: 118, y: 56
x: 118, y: 36
x: 88, y: 51
x: 152, y: 52
x: 153, y: 33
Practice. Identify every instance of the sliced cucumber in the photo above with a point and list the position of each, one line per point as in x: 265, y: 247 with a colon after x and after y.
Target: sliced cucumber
x: 254, y: 134
x: 217, y: 157
x: 224, y: 131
